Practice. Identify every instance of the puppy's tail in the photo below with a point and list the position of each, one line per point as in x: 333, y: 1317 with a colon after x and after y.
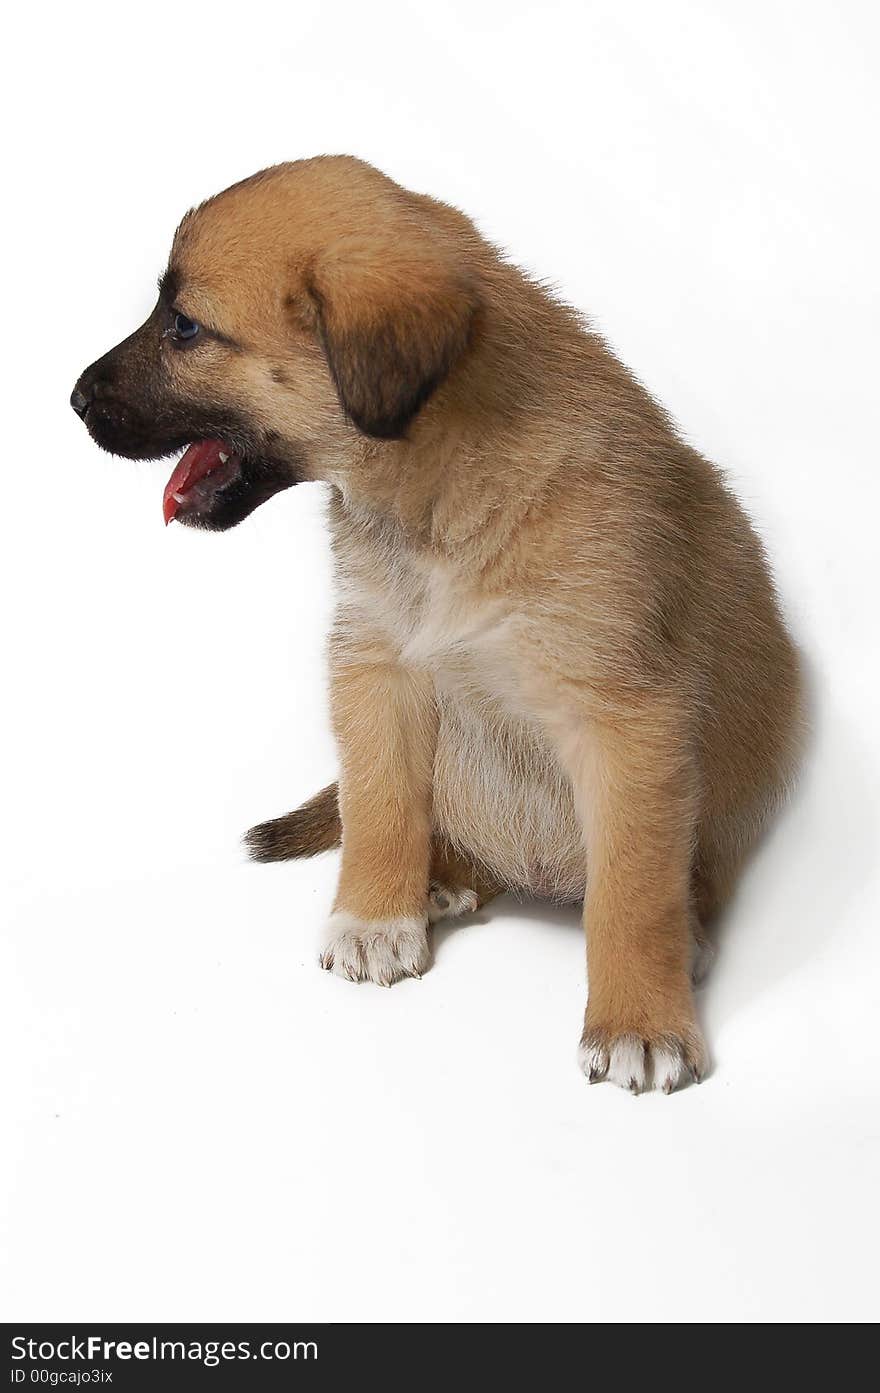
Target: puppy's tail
x: 312, y: 828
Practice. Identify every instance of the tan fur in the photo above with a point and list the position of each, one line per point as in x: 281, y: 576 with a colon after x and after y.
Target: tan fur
x: 317, y: 827
x: 557, y: 648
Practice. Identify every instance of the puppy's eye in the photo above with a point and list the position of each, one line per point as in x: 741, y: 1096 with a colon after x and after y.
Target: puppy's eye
x: 183, y: 328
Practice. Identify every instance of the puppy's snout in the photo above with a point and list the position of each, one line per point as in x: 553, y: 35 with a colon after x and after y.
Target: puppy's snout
x: 114, y: 403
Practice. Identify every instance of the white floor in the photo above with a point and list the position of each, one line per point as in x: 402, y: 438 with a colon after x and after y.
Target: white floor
x: 201, y: 1124
x: 198, y: 1123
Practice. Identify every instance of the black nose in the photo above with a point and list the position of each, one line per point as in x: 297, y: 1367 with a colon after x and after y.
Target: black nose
x: 79, y: 402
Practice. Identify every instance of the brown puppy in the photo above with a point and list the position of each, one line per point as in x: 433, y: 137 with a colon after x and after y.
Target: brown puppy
x: 558, y: 664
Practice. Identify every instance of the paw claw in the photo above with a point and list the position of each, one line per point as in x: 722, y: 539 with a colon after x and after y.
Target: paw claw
x: 641, y: 1063
x: 380, y: 951
x: 449, y: 901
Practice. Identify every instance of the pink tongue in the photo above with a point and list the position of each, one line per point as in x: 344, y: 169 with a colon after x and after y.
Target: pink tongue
x: 197, y: 461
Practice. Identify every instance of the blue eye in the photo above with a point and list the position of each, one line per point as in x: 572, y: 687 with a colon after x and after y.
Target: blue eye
x: 184, y: 327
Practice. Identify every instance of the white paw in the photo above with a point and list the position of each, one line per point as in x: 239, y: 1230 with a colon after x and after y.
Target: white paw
x: 637, y: 1064
x: 375, y: 950
x: 448, y: 901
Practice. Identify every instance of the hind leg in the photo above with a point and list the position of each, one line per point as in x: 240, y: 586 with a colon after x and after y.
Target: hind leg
x: 456, y: 886
x: 713, y: 879
x: 722, y: 848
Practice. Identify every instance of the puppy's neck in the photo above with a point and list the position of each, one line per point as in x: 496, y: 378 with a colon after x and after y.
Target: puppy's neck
x: 446, y: 485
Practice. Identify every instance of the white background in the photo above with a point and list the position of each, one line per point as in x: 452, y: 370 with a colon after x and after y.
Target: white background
x: 198, y: 1122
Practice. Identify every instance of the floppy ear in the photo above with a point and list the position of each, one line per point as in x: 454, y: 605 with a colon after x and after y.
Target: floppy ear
x: 392, y: 328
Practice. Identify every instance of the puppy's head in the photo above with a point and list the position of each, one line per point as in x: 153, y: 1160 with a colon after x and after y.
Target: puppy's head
x: 303, y: 310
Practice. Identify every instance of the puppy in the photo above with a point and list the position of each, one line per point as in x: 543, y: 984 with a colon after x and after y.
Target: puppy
x: 557, y: 665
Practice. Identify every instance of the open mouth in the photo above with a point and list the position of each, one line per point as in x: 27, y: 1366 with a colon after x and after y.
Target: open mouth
x: 203, y: 471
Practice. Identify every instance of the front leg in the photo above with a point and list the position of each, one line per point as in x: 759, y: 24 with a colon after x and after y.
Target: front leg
x: 634, y: 778
x: 385, y: 722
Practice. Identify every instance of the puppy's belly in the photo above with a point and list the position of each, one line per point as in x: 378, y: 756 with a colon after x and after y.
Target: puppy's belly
x: 501, y: 798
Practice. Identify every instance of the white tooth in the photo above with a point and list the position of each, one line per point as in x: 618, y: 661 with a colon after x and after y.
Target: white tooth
x: 223, y: 458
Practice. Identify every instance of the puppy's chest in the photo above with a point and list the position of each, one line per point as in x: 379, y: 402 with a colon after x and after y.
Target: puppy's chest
x: 440, y: 622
